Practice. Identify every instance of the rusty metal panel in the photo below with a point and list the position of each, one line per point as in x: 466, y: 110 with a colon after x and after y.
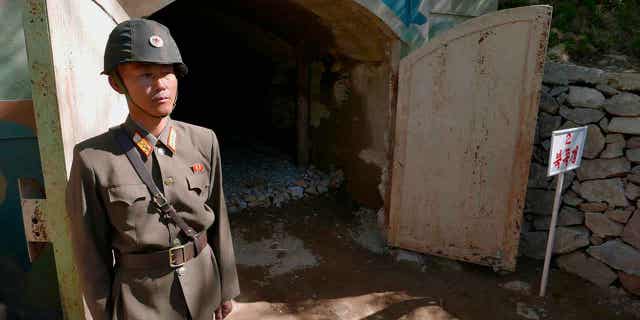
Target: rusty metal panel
x: 467, y: 107
x: 33, y: 218
x: 32, y: 202
x: 65, y: 44
x: 140, y: 9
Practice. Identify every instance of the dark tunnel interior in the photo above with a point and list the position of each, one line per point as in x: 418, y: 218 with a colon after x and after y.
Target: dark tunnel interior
x: 246, y: 94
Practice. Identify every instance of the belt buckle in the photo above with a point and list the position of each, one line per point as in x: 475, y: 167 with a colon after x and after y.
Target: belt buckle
x: 172, y: 262
x: 160, y: 200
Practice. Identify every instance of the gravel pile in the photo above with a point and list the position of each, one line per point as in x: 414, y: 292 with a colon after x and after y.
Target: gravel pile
x: 263, y: 177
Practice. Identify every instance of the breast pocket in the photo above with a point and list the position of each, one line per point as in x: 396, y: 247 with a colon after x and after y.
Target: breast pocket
x: 125, y: 202
x: 198, y: 185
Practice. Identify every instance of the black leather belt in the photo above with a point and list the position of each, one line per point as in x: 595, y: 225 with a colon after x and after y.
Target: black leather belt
x: 172, y: 258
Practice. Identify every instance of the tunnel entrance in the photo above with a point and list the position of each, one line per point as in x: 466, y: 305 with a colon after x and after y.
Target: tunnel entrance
x: 251, y: 66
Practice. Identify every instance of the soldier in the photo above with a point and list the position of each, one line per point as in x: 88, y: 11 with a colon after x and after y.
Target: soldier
x: 148, y: 219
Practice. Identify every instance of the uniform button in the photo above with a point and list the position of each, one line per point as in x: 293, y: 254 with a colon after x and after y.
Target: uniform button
x: 180, y: 271
x: 160, y: 151
x: 168, y: 181
x: 176, y: 242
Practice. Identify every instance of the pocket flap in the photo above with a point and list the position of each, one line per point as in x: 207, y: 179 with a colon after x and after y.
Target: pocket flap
x: 128, y: 194
x: 198, y: 183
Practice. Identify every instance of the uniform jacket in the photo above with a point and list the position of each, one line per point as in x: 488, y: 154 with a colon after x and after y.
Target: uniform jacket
x: 111, y: 213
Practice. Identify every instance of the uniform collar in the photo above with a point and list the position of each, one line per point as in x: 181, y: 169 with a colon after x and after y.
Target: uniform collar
x: 145, y: 141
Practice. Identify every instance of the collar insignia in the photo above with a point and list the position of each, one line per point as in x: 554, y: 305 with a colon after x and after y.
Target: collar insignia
x: 171, y: 140
x: 143, y: 145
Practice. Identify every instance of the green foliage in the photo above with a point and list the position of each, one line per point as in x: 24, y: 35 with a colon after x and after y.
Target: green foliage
x: 589, y: 28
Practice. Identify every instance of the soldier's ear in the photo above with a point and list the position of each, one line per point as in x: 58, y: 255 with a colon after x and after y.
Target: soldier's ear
x: 114, y: 84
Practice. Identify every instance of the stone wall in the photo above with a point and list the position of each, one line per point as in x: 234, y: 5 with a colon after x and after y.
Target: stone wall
x: 598, y: 234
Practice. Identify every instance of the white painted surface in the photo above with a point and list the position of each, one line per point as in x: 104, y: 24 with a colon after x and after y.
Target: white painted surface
x: 88, y: 105
x: 566, y: 151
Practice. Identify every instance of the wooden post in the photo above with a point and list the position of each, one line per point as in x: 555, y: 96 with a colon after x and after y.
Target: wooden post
x: 552, y: 236
x: 302, y: 123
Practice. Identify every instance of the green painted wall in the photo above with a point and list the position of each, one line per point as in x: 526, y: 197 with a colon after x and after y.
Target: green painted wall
x: 14, y: 73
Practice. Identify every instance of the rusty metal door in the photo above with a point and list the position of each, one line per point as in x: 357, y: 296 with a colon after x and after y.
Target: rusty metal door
x: 466, y: 114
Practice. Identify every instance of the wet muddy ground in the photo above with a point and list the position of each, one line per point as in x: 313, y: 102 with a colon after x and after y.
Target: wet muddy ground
x: 317, y: 259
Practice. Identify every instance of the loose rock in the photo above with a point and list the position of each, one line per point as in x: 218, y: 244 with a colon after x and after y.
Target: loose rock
x: 634, y: 177
x: 620, y: 215
x: 588, y: 268
x: 602, y: 226
x: 624, y: 105
x: 571, y: 198
x: 595, y: 142
x: 631, y: 233
x: 607, y: 90
x: 562, y: 98
x: 581, y: 115
x: 569, y: 177
x: 633, y: 155
x: 556, y: 91
x: 604, y: 124
x: 547, y: 124
x: 630, y: 282
x: 625, y: 125
x: 610, y: 191
x: 540, y: 155
x: 596, y: 240
x: 538, y: 177
x: 264, y: 177
x: 517, y: 286
x: 568, y: 216
x: 623, y: 81
x: 632, y: 191
x: 548, y: 103
x: 613, y: 150
x: 585, y: 97
x: 614, y: 138
x: 617, y: 255
x: 564, y: 74
x: 570, y: 238
x: 568, y: 125
x: 633, y: 143
x: 603, y: 168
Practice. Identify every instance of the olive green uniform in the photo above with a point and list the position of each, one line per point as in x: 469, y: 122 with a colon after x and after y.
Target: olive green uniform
x: 111, y: 209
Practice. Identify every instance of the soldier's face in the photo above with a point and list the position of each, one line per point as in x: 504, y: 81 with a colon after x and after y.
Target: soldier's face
x: 152, y: 87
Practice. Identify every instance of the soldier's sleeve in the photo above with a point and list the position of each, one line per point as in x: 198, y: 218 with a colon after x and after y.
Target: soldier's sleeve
x: 219, y: 234
x: 90, y: 235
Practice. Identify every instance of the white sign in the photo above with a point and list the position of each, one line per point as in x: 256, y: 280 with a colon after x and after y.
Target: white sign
x: 566, y: 150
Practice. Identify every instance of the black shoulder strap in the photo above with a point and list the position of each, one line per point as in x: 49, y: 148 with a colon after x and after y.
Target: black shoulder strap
x: 158, y: 198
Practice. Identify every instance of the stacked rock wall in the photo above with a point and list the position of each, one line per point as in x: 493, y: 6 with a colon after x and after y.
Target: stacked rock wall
x: 598, y: 234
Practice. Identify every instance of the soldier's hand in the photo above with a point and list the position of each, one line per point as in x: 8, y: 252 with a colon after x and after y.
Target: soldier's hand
x: 224, y: 310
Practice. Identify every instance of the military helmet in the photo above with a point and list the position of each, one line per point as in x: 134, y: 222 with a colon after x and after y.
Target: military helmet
x: 142, y: 40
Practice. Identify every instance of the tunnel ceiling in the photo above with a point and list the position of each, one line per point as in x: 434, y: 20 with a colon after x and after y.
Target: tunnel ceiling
x: 281, y: 27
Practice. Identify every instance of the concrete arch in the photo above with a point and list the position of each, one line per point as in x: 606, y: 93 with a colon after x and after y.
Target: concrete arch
x: 358, y: 29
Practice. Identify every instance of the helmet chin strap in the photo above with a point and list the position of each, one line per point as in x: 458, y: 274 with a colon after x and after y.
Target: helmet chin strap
x: 120, y: 83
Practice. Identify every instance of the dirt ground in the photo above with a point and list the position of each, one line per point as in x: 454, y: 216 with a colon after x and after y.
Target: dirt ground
x: 321, y: 259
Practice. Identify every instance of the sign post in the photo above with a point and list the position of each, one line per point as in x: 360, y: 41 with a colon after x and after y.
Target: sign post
x: 565, y: 155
